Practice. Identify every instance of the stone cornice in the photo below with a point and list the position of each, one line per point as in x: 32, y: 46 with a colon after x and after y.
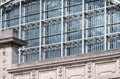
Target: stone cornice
x: 10, y: 37
x: 83, y: 58
x: 12, y: 40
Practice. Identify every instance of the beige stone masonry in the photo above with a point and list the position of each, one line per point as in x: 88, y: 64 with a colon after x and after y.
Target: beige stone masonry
x: 9, y: 44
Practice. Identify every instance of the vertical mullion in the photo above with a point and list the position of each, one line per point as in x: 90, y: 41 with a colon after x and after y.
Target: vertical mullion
x: 20, y: 20
x: 83, y: 26
x: 66, y: 26
x: 109, y: 21
x: 5, y: 21
x: 1, y: 19
x: 105, y: 26
x: 19, y: 60
x: 24, y: 21
x: 44, y: 30
x: 40, y: 31
x: 62, y: 28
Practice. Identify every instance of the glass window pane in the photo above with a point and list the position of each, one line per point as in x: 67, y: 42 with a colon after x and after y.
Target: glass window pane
x: 51, y: 8
x: 12, y: 17
x: 52, y: 53
x: 32, y: 12
x: 74, y: 50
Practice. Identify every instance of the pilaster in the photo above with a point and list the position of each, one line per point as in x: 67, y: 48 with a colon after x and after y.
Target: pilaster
x: 9, y: 44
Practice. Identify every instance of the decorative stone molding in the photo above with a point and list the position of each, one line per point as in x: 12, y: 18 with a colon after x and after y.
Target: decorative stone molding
x: 90, y: 69
x: 4, y: 75
x: 96, y: 57
x: 33, y: 74
x: 119, y: 65
x: 60, y: 72
x: 4, y: 61
x: 3, y: 52
x: 4, y: 68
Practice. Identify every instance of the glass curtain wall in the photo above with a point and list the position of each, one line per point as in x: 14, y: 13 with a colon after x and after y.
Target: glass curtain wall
x: 94, y: 24
x: 10, y: 18
x: 51, y: 33
x: 51, y: 8
x: 113, y: 26
x: 30, y: 14
x: 72, y: 6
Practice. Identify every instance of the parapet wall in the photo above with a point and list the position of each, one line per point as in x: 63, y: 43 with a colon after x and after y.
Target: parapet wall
x: 97, y: 65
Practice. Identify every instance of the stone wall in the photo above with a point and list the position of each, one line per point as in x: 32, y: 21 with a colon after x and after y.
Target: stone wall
x: 100, y: 65
x: 9, y: 44
x: 105, y: 69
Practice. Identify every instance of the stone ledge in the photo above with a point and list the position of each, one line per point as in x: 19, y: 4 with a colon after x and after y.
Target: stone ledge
x: 12, y: 40
x: 8, y: 33
x: 102, y: 55
x: 10, y: 36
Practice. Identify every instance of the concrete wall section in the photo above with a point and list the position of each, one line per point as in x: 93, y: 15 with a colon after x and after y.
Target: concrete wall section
x: 104, y: 69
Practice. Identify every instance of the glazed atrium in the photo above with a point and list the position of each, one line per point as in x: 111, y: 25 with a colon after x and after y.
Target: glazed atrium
x: 58, y: 28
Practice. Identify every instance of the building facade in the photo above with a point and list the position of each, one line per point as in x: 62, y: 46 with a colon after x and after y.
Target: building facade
x: 66, y: 39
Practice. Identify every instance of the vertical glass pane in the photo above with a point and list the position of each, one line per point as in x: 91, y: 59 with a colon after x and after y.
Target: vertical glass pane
x: 113, y: 20
x: 114, y: 44
x: 32, y: 12
x: 94, y: 25
x: 73, y: 29
x: 12, y: 17
x: 72, y: 6
x: 52, y: 53
x: 74, y: 50
x: 51, y: 8
x: 94, y: 4
x: 32, y: 37
x: 51, y: 33
x: 95, y: 47
x: 31, y: 57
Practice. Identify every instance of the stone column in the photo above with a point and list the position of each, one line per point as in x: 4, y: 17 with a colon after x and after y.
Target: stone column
x: 9, y: 44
